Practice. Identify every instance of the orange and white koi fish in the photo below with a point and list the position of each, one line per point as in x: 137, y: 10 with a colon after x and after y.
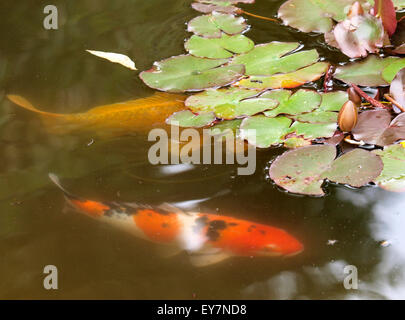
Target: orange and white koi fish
x: 208, y: 238
x: 133, y: 115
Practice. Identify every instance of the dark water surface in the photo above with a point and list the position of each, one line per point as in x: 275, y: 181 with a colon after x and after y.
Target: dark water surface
x: 51, y: 69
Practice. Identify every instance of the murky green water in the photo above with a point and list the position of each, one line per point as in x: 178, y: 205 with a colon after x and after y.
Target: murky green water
x: 94, y: 260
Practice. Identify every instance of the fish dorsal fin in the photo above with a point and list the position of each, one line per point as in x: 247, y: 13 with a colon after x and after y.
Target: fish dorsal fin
x: 24, y: 103
x: 55, y: 179
x: 208, y: 259
x: 172, y: 209
x: 155, y: 100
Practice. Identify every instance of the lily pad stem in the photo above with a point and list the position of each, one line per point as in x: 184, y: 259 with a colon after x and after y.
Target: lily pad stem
x: 364, y: 95
x: 240, y: 11
x: 394, y: 102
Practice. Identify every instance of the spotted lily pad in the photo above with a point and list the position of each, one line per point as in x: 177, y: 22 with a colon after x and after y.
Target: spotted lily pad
x: 292, y: 104
x: 376, y: 127
x: 186, y: 118
x: 304, y: 170
x: 263, y: 132
x: 189, y: 73
x: 367, y: 72
x: 214, y: 25
x: 313, y: 15
x: 224, y: 47
x: 392, y: 177
x: 230, y: 103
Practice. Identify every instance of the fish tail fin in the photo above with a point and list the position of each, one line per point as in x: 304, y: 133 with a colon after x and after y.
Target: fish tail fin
x: 24, y: 103
x: 94, y: 209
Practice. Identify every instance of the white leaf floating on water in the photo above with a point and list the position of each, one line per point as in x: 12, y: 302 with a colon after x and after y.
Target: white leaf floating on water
x: 115, y: 57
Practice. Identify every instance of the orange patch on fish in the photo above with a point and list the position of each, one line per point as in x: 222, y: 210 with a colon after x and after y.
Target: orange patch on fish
x: 92, y: 208
x: 157, y: 226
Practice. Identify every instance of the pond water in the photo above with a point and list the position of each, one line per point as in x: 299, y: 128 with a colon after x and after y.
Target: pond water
x: 52, y: 69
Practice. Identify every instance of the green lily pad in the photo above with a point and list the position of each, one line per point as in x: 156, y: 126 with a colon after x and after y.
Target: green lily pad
x: 300, y: 102
x: 286, y: 80
x: 313, y: 15
x: 333, y: 101
x: 230, y: 103
x: 392, y: 69
x: 367, y: 72
x: 189, y: 73
x: 304, y: 170
x: 270, y: 58
x: 392, y: 177
x: 263, y: 132
x: 226, y: 126
x: 214, y: 25
x: 296, y: 142
x: 376, y: 127
x: 318, y: 117
x: 313, y: 130
x: 186, y: 118
x: 224, y: 47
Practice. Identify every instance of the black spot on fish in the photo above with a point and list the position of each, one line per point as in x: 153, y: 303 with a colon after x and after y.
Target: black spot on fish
x: 262, y: 232
x: 165, y: 225
x: 232, y: 224
x: 214, y: 227
x: 200, y: 223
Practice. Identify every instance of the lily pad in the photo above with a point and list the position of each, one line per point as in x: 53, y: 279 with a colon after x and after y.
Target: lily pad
x: 397, y: 88
x: 286, y: 80
x: 313, y: 15
x: 304, y: 170
x: 300, y: 102
x: 186, y: 118
x: 358, y: 35
x: 230, y: 103
x: 263, y: 132
x: 294, y: 142
x: 392, y: 177
x: 214, y: 25
x: 333, y: 101
x: 376, y: 127
x: 318, y: 117
x: 226, y: 126
x: 392, y: 69
x: 189, y: 73
x: 367, y: 72
x: 208, y: 8
x: 271, y: 58
x: 313, y: 130
x: 385, y: 10
x: 224, y: 47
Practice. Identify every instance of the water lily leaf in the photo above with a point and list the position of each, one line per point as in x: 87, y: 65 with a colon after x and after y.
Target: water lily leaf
x: 189, y: 73
x: 224, y: 47
x: 333, y: 101
x: 186, y: 118
x: 263, y: 132
x: 303, y: 170
x: 313, y: 130
x: 358, y: 35
x: 115, y: 57
x: 376, y: 127
x: 296, y: 142
x: 271, y: 58
x: 318, y: 117
x: 399, y: 4
x: 392, y: 69
x: 313, y: 15
x: 398, y: 38
x: 397, y: 88
x: 287, y: 80
x: 215, y: 24
x: 385, y: 10
x: 355, y: 168
x: 300, y: 102
x: 366, y: 72
x: 392, y: 177
x: 230, y: 103
x: 226, y: 126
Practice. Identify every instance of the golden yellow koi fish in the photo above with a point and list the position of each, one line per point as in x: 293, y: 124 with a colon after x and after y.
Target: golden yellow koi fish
x: 123, y: 117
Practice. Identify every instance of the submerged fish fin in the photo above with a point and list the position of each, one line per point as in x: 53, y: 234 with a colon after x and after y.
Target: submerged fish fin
x: 55, y: 179
x: 168, y: 251
x: 155, y: 100
x: 172, y: 209
x: 24, y: 103
x: 207, y: 259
